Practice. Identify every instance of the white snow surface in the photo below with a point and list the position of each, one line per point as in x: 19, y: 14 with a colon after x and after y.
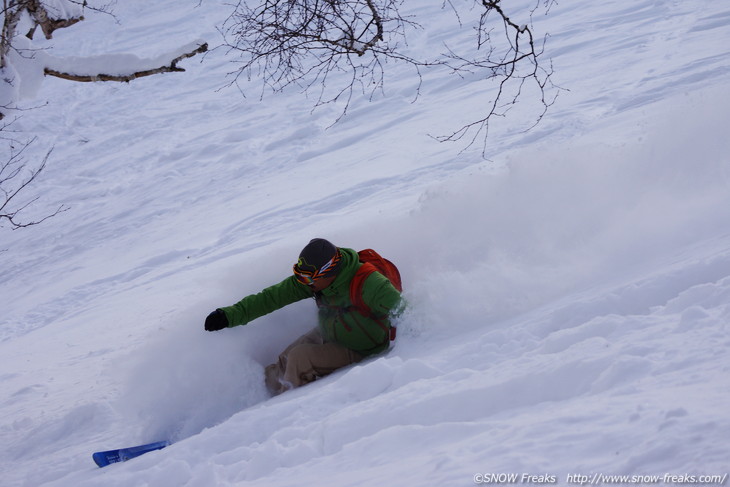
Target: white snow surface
x: 569, y: 296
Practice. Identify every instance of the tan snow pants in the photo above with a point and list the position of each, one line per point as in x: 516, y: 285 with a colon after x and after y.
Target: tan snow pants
x: 306, y: 359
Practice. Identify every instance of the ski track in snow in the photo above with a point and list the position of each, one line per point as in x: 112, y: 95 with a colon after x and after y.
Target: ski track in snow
x: 569, y: 297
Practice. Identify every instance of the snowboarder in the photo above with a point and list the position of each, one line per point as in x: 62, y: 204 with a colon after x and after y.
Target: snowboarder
x: 354, y: 319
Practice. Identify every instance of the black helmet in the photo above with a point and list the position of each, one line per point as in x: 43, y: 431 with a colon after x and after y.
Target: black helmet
x: 319, y: 259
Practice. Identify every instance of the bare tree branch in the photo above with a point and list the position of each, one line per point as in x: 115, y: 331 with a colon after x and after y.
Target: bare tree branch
x: 304, y: 42
x: 172, y: 67
x: 13, y: 186
x: 514, y: 65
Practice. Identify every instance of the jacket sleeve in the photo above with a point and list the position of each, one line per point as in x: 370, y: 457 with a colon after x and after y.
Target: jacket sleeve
x: 381, y: 296
x: 270, y: 299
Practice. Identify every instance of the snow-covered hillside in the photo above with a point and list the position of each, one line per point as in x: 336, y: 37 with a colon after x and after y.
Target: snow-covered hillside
x: 569, y: 297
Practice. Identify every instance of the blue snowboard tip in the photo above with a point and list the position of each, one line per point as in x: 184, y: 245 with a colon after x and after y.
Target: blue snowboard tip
x: 104, y: 458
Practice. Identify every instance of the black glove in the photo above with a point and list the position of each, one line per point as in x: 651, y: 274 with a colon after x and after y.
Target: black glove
x: 216, y: 321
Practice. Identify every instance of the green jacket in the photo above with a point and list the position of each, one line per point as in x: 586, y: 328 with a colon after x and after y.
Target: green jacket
x: 338, y: 323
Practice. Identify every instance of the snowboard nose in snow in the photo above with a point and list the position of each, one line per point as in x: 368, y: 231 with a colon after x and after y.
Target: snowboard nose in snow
x: 104, y: 458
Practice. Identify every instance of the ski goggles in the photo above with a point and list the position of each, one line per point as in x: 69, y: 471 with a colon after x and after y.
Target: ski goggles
x: 308, y: 274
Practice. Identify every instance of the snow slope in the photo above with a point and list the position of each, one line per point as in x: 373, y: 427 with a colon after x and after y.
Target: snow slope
x: 569, y: 297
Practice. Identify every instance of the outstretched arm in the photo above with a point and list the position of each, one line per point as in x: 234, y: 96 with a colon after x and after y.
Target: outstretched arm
x: 254, y: 306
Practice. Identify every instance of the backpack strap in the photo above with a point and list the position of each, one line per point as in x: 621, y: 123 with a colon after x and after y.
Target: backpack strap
x: 356, y: 285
